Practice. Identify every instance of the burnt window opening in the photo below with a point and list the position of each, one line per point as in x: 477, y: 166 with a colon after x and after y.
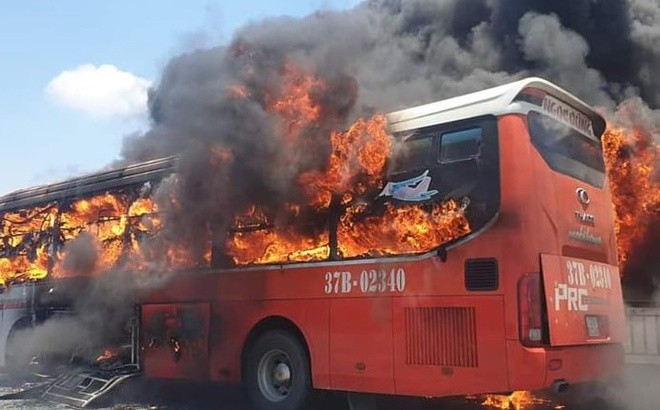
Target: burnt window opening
x: 117, y: 228
x: 449, y: 162
x: 258, y: 237
x: 25, y: 238
x: 440, y: 176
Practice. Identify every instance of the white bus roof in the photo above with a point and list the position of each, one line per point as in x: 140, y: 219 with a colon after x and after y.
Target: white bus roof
x: 493, y: 101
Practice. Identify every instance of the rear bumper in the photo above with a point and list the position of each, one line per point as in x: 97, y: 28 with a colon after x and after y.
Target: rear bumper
x: 541, y: 368
x: 582, y: 364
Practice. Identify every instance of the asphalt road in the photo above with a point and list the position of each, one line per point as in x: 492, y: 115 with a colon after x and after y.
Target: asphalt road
x: 639, y: 390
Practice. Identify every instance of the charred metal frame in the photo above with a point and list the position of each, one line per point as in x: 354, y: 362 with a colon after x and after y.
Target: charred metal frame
x: 46, y: 298
x: 62, y: 195
x: 136, y: 336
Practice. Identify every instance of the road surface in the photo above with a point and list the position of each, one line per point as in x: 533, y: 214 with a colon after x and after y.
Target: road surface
x: 640, y: 390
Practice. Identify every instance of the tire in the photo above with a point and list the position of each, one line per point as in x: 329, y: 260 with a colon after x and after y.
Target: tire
x: 276, y: 373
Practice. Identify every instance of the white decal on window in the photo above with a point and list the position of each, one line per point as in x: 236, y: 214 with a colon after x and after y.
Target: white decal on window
x: 413, y: 189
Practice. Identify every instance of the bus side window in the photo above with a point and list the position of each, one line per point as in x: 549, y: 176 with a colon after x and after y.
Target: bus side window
x: 460, y: 145
x: 414, y: 152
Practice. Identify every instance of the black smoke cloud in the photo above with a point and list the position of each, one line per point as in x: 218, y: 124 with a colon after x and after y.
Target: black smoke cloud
x: 401, y: 53
x: 379, y: 56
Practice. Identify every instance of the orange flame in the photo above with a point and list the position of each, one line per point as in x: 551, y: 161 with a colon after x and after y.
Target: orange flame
x: 363, y: 149
x: 129, y: 233
x: 118, y: 230
x: 104, y: 217
x: 356, y: 165
x: 408, y: 229
x: 518, y: 400
x: 256, y: 241
x: 295, y: 103
x: 108, y: 354
x: 283, y: 245
x: 22, y: 232
x: 630, y: 158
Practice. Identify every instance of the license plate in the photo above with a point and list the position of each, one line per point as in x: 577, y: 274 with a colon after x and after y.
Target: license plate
x: 593, y: 329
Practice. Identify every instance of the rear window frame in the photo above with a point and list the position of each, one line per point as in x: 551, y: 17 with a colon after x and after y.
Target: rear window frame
x: 595, y: 177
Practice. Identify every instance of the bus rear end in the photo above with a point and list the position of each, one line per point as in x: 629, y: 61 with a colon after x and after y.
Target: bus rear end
x: 569, y: 299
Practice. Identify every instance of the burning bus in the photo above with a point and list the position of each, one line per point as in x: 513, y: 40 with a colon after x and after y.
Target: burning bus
x: 478, y: 256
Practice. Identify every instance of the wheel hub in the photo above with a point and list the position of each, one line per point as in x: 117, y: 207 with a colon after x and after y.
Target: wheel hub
x: 282, y: 373
x: 275, y: 375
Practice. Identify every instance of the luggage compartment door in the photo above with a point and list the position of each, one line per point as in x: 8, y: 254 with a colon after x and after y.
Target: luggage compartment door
x: 175, y: 340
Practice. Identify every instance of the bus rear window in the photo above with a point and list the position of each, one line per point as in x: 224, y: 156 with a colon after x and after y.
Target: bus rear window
x: 566, y: 150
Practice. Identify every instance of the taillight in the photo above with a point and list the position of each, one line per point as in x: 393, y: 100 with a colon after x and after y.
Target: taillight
x: 530, y: 302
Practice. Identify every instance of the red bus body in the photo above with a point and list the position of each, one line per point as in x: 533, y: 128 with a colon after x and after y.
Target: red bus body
x: 408, y: 325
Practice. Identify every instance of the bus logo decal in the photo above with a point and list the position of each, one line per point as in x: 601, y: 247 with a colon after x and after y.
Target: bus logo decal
x: 413, y: 190
x: 582, y: 196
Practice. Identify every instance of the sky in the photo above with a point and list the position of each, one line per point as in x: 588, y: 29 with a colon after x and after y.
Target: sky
x: 74, y: 74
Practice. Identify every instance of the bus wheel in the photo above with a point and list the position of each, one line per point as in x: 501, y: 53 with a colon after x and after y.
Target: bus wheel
x: 276, y: 373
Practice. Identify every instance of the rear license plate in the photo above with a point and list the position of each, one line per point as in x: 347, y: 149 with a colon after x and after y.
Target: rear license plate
x: 593, y: 330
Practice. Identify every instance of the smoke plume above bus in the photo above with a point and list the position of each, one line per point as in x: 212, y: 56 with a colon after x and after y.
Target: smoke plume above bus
x: 387, y: 54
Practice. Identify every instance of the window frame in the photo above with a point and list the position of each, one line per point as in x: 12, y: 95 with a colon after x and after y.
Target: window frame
x: 598, y: 176
x: 442, y: 135
x: 429, y: 160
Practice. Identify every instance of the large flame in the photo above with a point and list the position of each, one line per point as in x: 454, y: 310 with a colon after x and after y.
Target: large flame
x: 407, y: 229
x: 23, y: 233
x: 362, y: 150
x: 295, y: 103
x: 631, y: 157
x: 115, y: 229
x: 256, y: 240
x: 355, y: 166
x: 127, y: 230
x: 518, y: 400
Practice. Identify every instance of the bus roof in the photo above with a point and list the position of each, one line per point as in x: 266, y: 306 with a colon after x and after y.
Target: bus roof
x: 87, y: 184
x: 493, y: 101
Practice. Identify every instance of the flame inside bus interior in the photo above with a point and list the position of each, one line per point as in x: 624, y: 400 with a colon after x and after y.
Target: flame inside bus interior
x: 469, y: 237
x: 119, y: 227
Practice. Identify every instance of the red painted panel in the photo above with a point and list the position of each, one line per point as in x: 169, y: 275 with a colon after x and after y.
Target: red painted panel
x: 587, y: 362
x: 584, y: 301
x: 175, y: 340
x: 526, y: 366
x: 232, y: 322
x: 454, y: 369
x: 361, y: 344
